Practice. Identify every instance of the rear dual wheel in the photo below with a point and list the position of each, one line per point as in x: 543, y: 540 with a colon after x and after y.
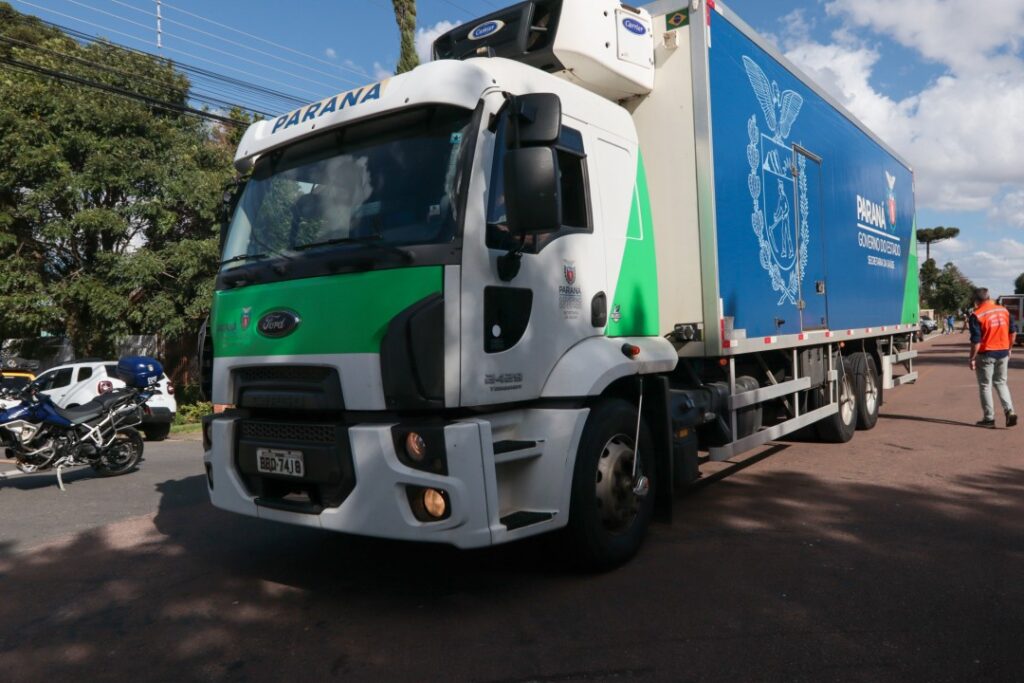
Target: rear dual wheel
x: 839, y: 428
x: 867, y: 389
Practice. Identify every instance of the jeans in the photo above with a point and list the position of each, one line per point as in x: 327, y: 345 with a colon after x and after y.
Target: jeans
x: 993, y: 371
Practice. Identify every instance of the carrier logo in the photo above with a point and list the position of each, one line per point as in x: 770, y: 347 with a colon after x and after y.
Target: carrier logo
x: 279, y: 323
x: 771, y: 184
x: 246, y: 317
x: 569, y: 270
x: 485, y: 29
x: 634, y: 26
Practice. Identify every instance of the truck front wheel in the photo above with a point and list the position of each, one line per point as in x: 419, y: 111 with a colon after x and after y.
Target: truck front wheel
x: 607, y: 518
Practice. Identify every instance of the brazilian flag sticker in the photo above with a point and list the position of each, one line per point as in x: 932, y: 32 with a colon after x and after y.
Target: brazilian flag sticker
x: 677, y: 19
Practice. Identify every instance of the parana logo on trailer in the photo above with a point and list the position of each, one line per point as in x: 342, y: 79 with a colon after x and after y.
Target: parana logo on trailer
x: 634, y: 26
x: 485, y: 29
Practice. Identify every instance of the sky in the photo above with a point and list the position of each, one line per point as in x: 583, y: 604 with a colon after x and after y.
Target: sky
x: 942, y: 81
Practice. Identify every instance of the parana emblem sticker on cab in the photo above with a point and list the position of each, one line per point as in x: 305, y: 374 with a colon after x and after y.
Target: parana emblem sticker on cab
x: 634, y: 26
x: 278, y: 323
x: 485, y: 29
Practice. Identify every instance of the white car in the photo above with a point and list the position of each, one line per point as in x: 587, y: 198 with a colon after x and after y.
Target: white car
x: 77, y: 383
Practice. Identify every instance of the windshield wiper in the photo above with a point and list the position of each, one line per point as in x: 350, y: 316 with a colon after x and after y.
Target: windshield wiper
x: 374, y: 242
x: 242, y: 257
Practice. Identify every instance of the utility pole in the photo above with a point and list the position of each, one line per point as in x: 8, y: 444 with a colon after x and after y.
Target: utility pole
x: 159, y: 27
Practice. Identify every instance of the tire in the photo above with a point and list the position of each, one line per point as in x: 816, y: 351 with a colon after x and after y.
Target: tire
x: 867, y: 389
x: 839, y: 428
x: 122, y: 456
x: 157, y: 432
x: 607, y: 521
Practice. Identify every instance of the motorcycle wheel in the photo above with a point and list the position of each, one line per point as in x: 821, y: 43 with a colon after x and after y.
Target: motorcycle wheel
x: 122, y: 456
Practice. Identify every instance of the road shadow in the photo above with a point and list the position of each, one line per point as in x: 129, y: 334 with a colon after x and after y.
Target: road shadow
x: 776, y: 575
x: 931, y: 420
x: 46, y: 479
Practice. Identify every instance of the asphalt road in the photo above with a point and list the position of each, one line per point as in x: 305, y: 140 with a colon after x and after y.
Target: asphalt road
x: 897, y: 557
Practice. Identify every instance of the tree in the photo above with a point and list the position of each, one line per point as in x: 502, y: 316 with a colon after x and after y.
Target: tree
x: 953, y: 290
x: 1018, y: 284
x: 108, y: 206
x: 927, y: 236
x: 929, y: 275
x: 405, y: 17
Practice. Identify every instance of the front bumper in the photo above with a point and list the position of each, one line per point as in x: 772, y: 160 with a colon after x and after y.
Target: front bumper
x: 376, y: 503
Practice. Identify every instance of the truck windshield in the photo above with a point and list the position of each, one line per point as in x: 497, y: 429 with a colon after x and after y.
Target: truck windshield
x: 389, y: 182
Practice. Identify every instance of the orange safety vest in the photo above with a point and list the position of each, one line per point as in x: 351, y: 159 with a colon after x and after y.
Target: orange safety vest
x: 995, y: 327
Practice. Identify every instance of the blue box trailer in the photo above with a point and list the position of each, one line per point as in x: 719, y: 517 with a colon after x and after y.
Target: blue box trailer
x: 831, y: 206
x: 805, y: 217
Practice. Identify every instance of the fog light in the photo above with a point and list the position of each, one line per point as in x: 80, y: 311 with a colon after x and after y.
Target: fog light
x: 435, y: 503
x: 415, y: 447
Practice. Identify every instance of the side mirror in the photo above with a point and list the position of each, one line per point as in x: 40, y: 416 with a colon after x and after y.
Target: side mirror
x: 533, y: 200
x: 539, y: 119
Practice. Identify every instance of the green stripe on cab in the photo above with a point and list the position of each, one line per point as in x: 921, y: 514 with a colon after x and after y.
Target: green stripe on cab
x: 346, y: 313
x: 634, y: 312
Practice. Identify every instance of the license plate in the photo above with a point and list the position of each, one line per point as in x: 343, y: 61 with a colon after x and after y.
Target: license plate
x: 286, y: 463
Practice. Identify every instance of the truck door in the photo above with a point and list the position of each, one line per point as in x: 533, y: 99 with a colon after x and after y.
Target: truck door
x: 514, y: 330
x: 810, y: 240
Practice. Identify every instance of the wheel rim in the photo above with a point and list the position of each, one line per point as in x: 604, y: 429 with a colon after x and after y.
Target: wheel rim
x: 846, y: 401
x: 121, y: 453
x: 870, y: 393
x: 617, y: 504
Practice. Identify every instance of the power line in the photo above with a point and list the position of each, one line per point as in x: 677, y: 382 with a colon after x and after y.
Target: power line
x: 170, y: 106
x: 147, y: 42
x: 236, y: 43
x: 264, y: 40
x: 213, y: 81
x: 202, y: 45
x: 185, y: 92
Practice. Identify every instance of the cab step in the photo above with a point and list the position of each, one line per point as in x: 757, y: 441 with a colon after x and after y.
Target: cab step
x: 507, y: 451
x: 521, y: 518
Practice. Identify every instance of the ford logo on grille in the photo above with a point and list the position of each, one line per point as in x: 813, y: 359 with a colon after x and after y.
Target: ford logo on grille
x: 634, y: 26
x: 485, y: 29
x: 279, y: 323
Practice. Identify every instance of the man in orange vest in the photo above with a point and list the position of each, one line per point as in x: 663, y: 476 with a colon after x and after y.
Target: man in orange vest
x: 992, y: 334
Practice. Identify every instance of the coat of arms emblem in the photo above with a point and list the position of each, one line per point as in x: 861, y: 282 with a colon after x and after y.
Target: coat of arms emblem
x: 772, y: 182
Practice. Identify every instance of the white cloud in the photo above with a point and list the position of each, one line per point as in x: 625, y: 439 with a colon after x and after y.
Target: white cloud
x: 1010, y: 210
x: 380, y: 72
x: 330, y: 53
x: 962, y: 132
x: 425, y: 38
x: 994, y: 265
x: 966, y: 36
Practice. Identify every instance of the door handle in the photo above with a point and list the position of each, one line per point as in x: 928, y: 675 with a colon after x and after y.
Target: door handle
x: 819, y: 286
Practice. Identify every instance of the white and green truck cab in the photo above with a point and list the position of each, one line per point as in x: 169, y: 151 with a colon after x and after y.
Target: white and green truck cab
x: 529, y: 286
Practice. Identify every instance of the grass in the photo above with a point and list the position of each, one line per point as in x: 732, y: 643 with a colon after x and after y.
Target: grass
x: 186, y: 428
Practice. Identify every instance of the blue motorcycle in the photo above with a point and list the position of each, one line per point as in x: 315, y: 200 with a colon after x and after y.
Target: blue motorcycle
x: 101, y: 433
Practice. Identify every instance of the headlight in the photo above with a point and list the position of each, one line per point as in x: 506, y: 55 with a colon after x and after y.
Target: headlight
x: 421, y: 447
x: 415, y: 447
